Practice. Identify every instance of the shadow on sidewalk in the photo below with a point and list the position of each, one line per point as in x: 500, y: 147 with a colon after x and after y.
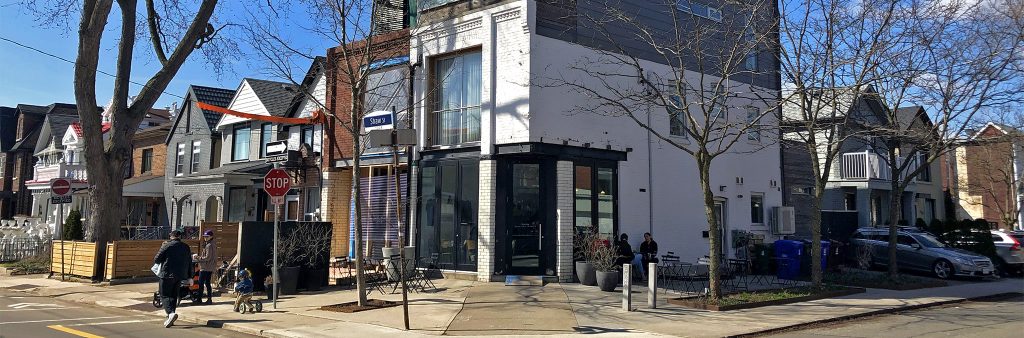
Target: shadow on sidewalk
x: 219, y: 323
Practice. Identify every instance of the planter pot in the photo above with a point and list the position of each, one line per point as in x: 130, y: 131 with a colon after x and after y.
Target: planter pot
x: 314, y: 279
x: 410, y: 261
x: 585, y: 273
x: 608, y: 280
x: 289, y: 280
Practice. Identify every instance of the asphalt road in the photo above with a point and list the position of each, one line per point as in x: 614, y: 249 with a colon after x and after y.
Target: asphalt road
x: 23, y: 315
x: 988, y: 319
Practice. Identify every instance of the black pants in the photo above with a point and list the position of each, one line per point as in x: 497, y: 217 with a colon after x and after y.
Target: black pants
x: 204, y: 281
x: 169, y: 288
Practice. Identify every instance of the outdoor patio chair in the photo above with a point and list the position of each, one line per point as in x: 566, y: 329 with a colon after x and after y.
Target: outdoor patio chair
x: 671, y: 275
x: 694, y: 277
x: 431, y: 266
x: 669, y: 257
x: 738, y: 269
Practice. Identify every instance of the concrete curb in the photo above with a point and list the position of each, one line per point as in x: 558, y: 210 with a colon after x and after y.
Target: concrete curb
x: 871, y: 313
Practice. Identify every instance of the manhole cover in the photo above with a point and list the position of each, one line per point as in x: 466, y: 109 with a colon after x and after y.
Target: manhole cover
x: 145, y: 307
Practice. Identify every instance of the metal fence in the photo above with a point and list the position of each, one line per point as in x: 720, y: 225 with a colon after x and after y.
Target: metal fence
x: 13, y: 249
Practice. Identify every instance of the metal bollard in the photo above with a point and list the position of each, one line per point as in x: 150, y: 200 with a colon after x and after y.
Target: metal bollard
x: 627, y: 288
x: 652, y: 285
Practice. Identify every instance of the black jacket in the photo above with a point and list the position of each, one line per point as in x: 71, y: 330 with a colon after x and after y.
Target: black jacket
x: 176, y: 258
x: 650, y: 251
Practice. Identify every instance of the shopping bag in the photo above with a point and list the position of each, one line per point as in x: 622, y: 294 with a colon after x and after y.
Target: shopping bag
x: 156, y: 268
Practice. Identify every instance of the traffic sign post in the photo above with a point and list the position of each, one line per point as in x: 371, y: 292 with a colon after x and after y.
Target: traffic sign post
x: 60, y: 191
x: 276, y: 183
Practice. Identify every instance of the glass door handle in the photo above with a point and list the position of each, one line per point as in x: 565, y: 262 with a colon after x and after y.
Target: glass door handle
x: 540, y: 235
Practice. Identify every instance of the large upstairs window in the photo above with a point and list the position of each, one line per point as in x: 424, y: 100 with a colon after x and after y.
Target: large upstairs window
x: 240, y: 143
x: 456, y: 112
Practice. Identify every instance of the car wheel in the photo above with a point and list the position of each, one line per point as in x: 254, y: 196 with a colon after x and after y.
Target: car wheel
x: 942, y: 268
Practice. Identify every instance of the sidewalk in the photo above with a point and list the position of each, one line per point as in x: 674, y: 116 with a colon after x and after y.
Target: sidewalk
x: 471, y: 308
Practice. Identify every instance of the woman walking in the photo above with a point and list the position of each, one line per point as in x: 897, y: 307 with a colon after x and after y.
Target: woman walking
x: 207, y: 265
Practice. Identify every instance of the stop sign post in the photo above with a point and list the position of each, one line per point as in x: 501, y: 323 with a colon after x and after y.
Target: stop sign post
x: 276, y: 183
x: 60, y: 189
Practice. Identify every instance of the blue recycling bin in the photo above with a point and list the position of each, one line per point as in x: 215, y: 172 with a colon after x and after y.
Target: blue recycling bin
x: 787, y: 258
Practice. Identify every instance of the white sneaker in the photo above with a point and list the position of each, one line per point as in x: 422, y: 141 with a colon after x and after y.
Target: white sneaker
x: 170, y: 319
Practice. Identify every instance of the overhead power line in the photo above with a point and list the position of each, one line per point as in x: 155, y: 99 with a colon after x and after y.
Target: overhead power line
x: 37, y: 50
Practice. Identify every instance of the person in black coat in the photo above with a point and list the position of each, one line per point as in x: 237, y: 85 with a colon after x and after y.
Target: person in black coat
x: 175, y: 258
x: 649, y: 250
x: 624, y: 251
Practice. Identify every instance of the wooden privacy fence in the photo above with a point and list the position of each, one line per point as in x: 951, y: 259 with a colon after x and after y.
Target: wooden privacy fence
x: 133, y: 259
x: 226, y: 236
x: 79, y: 258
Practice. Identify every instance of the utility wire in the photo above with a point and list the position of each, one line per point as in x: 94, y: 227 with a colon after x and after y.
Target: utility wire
x: 19, y: 44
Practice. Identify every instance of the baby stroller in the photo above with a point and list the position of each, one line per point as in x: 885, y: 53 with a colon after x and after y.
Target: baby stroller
x: 244, y: 289
x: 186, y: 290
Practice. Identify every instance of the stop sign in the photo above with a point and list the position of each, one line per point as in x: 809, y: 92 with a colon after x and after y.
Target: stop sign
x: 60, y: 187
x: 277, y: 183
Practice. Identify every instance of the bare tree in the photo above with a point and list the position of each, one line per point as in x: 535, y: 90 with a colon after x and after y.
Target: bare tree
x: 362, y: 41
x: 708, y: 61
x: 829, y: 53
x: 171, y: 27
x: 954, y: 60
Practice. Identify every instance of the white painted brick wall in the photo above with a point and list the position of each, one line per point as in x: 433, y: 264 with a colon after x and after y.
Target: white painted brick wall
x: 486, y: 220
x: 564, y: 212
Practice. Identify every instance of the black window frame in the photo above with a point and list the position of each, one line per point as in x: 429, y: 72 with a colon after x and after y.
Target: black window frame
x: 234, y: 142
x: 147, y: 161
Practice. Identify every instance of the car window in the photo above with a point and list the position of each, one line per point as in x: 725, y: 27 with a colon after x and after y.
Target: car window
x: 928, y: 241
x: 995, y: 238
x: 905, y: 240
x: 1019, y: 237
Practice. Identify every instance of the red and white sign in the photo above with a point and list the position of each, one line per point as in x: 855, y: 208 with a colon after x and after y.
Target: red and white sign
x: 60, y: 187
x: 277, y: 183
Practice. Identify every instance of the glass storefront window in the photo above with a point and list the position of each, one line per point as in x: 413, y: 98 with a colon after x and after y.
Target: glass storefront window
x: 606, y: 201
x: 448, y: 213
x: 584, y: 195
x: 595, y: 198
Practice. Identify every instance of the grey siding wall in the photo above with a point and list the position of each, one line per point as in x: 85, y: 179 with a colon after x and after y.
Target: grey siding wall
x: 797, y: 174
x: 191, y: 127
x: 592, y: 23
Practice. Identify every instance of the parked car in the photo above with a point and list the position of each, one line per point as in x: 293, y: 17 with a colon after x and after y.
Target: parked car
x: 918, y: 251
x: 1017, y: 234
x: 1010, y: 258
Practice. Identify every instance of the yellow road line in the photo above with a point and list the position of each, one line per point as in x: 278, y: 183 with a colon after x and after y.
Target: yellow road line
x: 73, y: 331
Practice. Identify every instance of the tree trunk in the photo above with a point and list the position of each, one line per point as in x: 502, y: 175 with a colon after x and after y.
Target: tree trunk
x: 895, y: 215
x: 704, y: 167
x: 819, y: 194
x: 357, y: 205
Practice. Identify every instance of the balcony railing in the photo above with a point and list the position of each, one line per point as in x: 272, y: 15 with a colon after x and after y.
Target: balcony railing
x: 867, y: 165
x: 46, y: 172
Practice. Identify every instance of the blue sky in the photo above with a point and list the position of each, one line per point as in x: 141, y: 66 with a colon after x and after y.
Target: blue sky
x: 30, y: 77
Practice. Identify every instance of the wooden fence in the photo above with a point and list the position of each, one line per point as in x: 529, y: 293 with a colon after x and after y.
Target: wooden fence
x: 79, y: 258
x: 226, y: 236
x: 133, y: 259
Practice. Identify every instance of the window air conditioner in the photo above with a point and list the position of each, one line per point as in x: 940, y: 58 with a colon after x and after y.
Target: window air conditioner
x: 783, y: 220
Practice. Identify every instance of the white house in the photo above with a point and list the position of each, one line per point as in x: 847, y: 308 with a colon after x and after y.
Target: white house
x: 508, y: 170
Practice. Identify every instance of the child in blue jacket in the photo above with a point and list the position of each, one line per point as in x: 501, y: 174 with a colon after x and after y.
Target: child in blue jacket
x: 244, y: 290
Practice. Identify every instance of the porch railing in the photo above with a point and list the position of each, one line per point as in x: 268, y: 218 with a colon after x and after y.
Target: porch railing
x: 867, y: 165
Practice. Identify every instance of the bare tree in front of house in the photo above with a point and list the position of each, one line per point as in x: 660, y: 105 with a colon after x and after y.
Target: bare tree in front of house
x: 695, y: 74
x: 172, y: 27
x: 361, y: 42
x: 829, y: 51
x: 954, y: 61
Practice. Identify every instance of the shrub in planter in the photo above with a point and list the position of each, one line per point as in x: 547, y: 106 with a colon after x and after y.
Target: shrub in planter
x: 586, y: 244
x: 608, y: 276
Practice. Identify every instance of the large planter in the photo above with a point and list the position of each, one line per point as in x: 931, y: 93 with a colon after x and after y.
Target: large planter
x: 313, y: 279
x: 608, y: 280
x: 585, y: 273
x: 289, y: 280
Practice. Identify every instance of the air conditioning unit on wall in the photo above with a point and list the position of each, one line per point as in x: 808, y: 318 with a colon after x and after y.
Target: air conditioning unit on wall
x: 783, y: 220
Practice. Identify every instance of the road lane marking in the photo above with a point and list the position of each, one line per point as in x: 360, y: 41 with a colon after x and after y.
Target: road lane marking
x: 66, y: 319
x: 52, y: 308
x: 28, y: 305
x: 117, y: 322
x: 73, y: 331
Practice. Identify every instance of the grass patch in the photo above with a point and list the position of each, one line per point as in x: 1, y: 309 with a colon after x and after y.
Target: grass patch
x: 881, y: 280
x: 31, y: 265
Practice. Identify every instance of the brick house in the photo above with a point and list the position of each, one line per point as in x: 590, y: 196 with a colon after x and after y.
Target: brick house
x: 986, y: 179
x: 19, y: 159
x: 144, y: 186
x: 387, y: 91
